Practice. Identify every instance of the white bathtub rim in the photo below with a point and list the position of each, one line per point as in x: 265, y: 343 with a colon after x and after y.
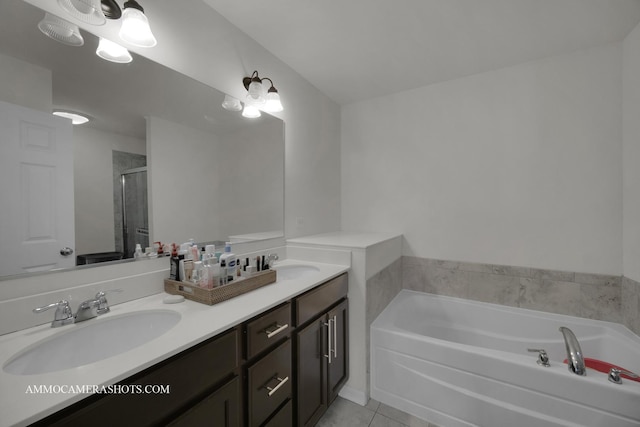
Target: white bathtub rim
x: 618, y: 328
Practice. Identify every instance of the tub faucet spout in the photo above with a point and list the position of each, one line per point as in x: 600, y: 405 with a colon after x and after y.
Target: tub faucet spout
x: 575, y: 359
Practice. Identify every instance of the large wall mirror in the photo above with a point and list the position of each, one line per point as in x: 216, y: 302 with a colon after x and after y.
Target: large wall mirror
x: 160, y: 159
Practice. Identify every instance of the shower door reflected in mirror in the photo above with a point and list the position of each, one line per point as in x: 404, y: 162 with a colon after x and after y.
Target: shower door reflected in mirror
x: 135, y: 219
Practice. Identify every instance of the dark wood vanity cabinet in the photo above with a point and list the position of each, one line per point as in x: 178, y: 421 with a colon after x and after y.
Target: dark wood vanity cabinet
x: 281, y: 368
x: 321, y: 349
x: 203, y: 384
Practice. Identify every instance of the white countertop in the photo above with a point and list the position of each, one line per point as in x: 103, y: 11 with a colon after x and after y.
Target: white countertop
x: 345, y: 239
x: 198, y: 323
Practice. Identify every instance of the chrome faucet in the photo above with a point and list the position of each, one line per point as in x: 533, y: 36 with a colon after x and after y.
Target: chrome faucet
x: 63, y: 315
x: 271, y: 259
x: 575, y: 359
x: 87, y: 310
x: 103, y: 304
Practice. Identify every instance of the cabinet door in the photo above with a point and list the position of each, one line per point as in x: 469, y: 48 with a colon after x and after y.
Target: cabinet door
x: 311, y: 373
x: 221, y: 409
x: 338, y: 371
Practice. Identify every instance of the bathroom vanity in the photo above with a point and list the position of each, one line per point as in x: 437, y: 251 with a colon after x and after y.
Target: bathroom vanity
x: 280, y: 365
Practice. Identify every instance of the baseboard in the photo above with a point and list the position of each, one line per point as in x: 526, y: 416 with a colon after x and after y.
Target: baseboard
x: 355, y: 396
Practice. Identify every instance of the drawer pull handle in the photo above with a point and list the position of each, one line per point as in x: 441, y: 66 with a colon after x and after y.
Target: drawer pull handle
x: 274, y: 332
x: 281, y: 382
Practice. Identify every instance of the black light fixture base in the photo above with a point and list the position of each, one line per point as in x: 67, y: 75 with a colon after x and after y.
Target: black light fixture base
x: 133, y: 4
x: 111, y: 10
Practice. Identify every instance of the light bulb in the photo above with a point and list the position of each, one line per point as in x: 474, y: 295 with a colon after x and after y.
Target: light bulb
x: 113, y: 52
x: 232, y: 104
x: 255, y: 93
x: 250, y: 112
x: 273, y: 104
x: 135, y: 28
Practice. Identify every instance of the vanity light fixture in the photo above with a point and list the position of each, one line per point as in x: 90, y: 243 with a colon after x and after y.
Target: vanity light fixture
x: 61, y: 30
x: 231, y: 104
x: 89, y: 11
x: 269, y: 101
x: 76, y: 118
x: 135, y: 28
x: 113, y: 52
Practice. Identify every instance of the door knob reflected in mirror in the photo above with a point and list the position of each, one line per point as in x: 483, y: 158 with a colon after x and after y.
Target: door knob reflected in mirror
x: 66, y: 251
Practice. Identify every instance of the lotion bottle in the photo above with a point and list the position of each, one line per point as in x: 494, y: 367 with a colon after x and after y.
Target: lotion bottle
x: 229, y: 259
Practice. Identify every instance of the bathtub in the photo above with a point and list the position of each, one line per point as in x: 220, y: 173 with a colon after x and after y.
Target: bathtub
x: 456, y: 362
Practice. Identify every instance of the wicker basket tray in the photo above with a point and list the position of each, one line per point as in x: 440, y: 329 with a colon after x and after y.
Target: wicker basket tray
x: 239, y: 286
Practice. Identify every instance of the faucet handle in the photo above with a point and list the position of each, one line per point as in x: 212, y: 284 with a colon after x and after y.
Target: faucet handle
x: 543, y: 358
x: 614, y: 375
x: 103, y: 304
x: 63, y: 316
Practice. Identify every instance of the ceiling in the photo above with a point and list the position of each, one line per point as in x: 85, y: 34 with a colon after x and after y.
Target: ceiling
x: 358, y: 49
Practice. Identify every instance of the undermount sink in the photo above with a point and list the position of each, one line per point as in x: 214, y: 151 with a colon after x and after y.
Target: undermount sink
x: 294, y: 271
x: 92, y: 341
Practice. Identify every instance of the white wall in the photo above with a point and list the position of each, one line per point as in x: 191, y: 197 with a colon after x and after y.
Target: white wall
x: 631, y: 154
x: 25, y: 84
x: 518, y: 166
x: 93, y: 185
x: 181, y: 210
x: 251, y: 199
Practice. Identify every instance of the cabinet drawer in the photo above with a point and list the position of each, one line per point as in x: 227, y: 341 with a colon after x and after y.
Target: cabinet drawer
x: 188, y: 374
x: 316, y: 301
x: 269, y: 383
x: 222, y: 408
x: 268, y: 329
x: 284, y: 417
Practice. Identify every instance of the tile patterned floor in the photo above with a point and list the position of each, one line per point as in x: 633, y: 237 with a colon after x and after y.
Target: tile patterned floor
x: 343, y: 413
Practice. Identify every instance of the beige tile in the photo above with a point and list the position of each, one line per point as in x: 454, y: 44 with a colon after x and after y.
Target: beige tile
x: 372, y: 404
x: 380, y: 420
x: 556, y: 275
x: 494, y: 288
x: 601, y: 302
x: 343, y: 413
x: 551, y: 296
x: 402, y: 417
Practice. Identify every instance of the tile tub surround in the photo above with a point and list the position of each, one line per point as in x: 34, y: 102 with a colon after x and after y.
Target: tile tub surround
x: 594, y: 296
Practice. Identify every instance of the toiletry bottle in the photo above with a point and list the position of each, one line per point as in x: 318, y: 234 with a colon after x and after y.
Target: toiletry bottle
x: 209, y: 261
x: 229, y: 259
x: 223, y: 272
x: 138, y: 252
x: 199, y: 276
x: 195, y: 253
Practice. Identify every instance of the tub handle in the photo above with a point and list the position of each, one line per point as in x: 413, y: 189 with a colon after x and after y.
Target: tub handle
x: 330, y: 352
x: 614, y: 375
x: 543, y: 358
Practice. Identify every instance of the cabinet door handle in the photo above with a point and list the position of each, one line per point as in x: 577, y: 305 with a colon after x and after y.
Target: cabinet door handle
x: 329, y: 350
x: 335, y: 336
x: 281, y: 382
x: 273, y: 332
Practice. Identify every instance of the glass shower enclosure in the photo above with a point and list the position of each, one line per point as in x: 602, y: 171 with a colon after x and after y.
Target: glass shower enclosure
x: 135, y: 218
